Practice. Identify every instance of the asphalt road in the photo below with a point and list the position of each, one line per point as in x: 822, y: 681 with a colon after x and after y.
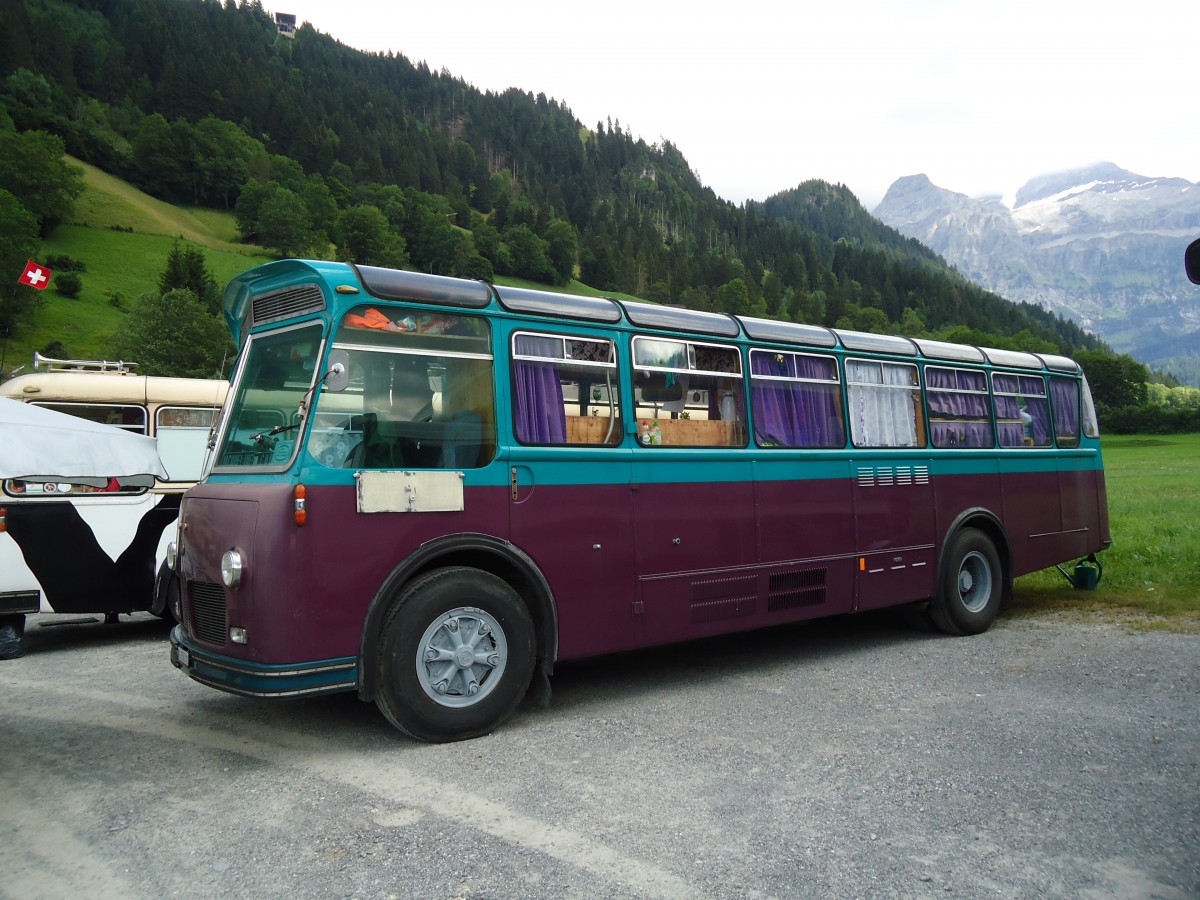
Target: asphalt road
x: 852, y: 758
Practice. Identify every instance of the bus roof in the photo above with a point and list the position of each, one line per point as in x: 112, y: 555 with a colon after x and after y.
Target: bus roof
x: 279, y: 290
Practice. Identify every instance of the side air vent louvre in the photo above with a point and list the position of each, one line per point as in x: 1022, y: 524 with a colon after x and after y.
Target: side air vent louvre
x: 790, y: 590
x: 723, y: 598
x: 293, y: 301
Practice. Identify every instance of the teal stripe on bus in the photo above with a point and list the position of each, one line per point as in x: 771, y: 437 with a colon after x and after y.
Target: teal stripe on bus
x: 559, y: 466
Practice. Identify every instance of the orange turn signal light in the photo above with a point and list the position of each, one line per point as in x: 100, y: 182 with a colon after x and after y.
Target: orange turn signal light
x: 300, y: 507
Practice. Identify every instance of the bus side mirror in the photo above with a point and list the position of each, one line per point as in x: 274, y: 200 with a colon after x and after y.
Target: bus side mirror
x: 337, y: 377
x: 1191, y: 262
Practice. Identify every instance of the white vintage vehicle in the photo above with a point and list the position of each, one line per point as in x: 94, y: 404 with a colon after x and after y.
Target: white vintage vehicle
x: 84, y: 518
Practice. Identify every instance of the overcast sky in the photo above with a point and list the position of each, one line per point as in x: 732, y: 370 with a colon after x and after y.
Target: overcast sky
x: 760, y: 95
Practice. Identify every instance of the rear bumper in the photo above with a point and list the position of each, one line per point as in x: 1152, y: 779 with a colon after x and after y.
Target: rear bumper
x: 237, y: 676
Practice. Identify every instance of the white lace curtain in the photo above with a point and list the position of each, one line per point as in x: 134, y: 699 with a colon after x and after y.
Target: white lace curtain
x: 882, y: 408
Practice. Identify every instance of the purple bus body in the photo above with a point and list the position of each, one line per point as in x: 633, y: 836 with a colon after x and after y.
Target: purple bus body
x: 636, y: 564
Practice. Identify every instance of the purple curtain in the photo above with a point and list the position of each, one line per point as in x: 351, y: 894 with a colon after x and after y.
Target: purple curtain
x: 1065, y: 397
x: 973, y: 421
x: 1032, y: 391
x: 1011, y: 434
x: 964, y: 434
x: 796, y: 414
x: 1034, y: 387
x: 944, y: 403
x: 538, y: 397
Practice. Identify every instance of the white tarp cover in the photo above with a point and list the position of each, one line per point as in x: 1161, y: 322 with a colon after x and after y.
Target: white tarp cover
x: 39, y: 444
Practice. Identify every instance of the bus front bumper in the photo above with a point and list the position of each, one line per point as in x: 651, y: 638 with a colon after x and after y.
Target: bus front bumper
x: 237, y: 676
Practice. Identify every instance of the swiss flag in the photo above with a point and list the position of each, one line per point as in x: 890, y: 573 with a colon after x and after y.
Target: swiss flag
x: 35, y: 275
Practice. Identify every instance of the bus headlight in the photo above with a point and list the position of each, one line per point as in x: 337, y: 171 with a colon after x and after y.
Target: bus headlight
x: 231, y: 568
x: 172, y: 555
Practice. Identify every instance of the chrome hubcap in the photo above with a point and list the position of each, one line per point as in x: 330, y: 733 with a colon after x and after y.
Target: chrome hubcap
x: 974, y: 581
x: 461, y: 657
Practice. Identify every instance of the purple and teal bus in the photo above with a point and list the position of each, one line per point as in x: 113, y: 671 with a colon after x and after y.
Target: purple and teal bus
x: 429, y: 491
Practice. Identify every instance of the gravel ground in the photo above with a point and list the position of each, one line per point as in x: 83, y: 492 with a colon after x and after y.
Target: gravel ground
x: 848, y: 758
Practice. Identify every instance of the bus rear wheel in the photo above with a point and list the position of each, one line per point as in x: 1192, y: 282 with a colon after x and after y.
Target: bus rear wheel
x: 972, y: 585
x: 456, y: 655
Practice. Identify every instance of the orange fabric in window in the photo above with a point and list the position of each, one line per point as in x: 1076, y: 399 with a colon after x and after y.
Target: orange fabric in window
x: 371, y: 318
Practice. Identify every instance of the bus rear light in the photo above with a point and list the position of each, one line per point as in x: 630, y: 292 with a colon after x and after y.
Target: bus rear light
x: 3, y: 517
x: 300, y: 513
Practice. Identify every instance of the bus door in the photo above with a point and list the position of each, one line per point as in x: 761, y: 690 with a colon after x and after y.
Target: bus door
x: 1077, y: 473
x: 894, y: 518
x: 569, y: 483
x: 893, y: 494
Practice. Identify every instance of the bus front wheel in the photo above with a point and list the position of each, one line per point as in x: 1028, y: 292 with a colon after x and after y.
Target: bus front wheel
x: 166, y: 595
x: 971, y: 588
x: 456, y: 655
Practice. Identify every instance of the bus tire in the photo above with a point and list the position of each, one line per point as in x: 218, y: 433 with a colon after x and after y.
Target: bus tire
x: 972, y: 585
x: 456, y: 655
x: 166, y: 594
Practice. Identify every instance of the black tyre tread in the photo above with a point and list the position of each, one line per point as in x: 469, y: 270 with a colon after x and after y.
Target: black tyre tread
x: 408, y: 709
x: 945, y: 611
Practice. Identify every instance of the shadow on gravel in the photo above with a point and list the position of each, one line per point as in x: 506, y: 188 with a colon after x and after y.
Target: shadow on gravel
x: 66, y: 633
x: 678, y: 666
x: 589, y: 688
x: 594, y: 687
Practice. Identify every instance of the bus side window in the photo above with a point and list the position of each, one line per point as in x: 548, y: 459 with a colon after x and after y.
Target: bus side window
x: 565, y: 390
x: 1064, y: 395
x: 182, y: 435
x: 1022, y: 413
x: 688, y: 393
x: 884, y: 400
x: 796, y: 400
x: 959, y: 413
x: 413, y: 410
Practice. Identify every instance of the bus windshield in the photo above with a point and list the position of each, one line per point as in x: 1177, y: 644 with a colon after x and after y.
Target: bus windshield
x: 266, y: 410
x: 419, y: 396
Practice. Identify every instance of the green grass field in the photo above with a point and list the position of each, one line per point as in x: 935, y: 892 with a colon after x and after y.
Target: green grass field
x: 1151, y: 573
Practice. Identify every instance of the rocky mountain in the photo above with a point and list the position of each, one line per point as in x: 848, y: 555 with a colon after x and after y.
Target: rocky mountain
x: 1100, y: 245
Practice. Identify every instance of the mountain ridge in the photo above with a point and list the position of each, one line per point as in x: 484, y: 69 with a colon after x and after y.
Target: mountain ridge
x: 1098, y: 244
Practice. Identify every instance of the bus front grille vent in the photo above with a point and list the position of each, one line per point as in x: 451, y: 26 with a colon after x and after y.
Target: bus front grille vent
x: 715, y: 599
x: 284, y: 304
x: 207, y: 602
x: 791, y: 590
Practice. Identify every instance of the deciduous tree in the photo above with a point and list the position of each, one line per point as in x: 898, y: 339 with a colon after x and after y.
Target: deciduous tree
x: 33, y: 169
x: 18, y: 243
x: 173, y: 334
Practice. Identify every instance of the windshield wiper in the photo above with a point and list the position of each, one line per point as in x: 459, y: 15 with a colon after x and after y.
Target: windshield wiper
x: 278, y: 429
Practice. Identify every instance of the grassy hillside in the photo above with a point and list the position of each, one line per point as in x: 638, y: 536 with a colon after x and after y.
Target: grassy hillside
x: 123, y: 237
